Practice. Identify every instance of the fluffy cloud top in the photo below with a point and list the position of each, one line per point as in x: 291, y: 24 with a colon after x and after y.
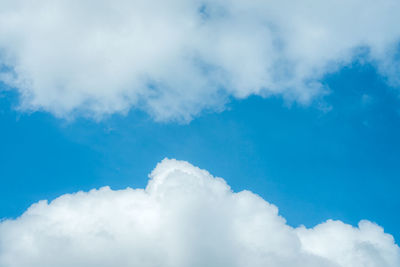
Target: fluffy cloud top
x: 184, y: 217
x: 175, y: 58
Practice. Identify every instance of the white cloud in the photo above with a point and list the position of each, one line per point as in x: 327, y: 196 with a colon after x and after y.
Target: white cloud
x: 175, y: 58
x: 184, y: 217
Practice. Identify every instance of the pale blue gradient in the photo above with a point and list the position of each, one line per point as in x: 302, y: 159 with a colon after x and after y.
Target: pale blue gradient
x: 312, y: 162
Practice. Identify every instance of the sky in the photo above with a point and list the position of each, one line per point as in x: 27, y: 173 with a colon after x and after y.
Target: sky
x: 299, y: 117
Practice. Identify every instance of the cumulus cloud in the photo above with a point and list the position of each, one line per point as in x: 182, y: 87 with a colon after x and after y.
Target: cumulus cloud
x: 175, y: 58
x: 184, y: 217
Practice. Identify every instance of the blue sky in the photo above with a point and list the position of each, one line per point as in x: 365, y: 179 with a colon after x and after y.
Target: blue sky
x: 313, y: 164
x: 199, y: 133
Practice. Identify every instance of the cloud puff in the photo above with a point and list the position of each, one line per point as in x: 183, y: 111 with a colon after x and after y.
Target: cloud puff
x: 184, y: 217
x: 175, y: 58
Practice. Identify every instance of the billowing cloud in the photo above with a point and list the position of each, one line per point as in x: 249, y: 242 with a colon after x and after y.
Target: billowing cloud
x: 175, y: 58
x: 184, y: 217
